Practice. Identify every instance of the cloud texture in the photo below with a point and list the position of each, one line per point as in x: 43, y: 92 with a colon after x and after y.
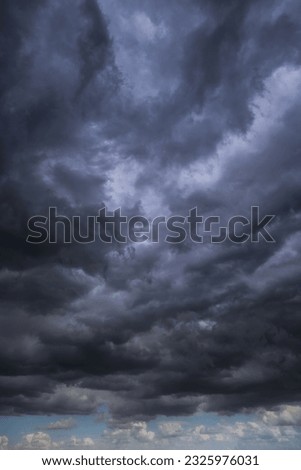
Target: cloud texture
x: 155, y: 108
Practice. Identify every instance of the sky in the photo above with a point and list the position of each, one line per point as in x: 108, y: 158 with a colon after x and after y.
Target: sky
x: 153, y: 107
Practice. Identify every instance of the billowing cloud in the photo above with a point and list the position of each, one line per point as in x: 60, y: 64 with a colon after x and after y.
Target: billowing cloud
x: 285, y: 415
x: 37, y: 440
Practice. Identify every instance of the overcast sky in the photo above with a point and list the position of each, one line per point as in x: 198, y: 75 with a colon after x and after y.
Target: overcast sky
x: 155, y: 107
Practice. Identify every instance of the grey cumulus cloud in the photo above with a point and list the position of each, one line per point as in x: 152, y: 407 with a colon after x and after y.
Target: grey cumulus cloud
x: 155, y: 108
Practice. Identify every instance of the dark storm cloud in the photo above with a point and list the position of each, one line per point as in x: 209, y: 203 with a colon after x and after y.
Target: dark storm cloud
x: 57, y: 60
x: 155, y: 107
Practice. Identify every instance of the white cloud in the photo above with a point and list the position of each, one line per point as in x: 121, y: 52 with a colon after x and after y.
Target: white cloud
x: 199, y: 432
x: 3, y: 442
x: 170, y: 429
x: 141, y: 432
x: 286, y: 415
x: 62, y: 424
x: 82, y: 442
x: 42, y: 440
x: 136, y: 432
x: 36, y: 440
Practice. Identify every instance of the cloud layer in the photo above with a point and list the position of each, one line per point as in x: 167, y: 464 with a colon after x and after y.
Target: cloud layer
x: 156, y: 109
